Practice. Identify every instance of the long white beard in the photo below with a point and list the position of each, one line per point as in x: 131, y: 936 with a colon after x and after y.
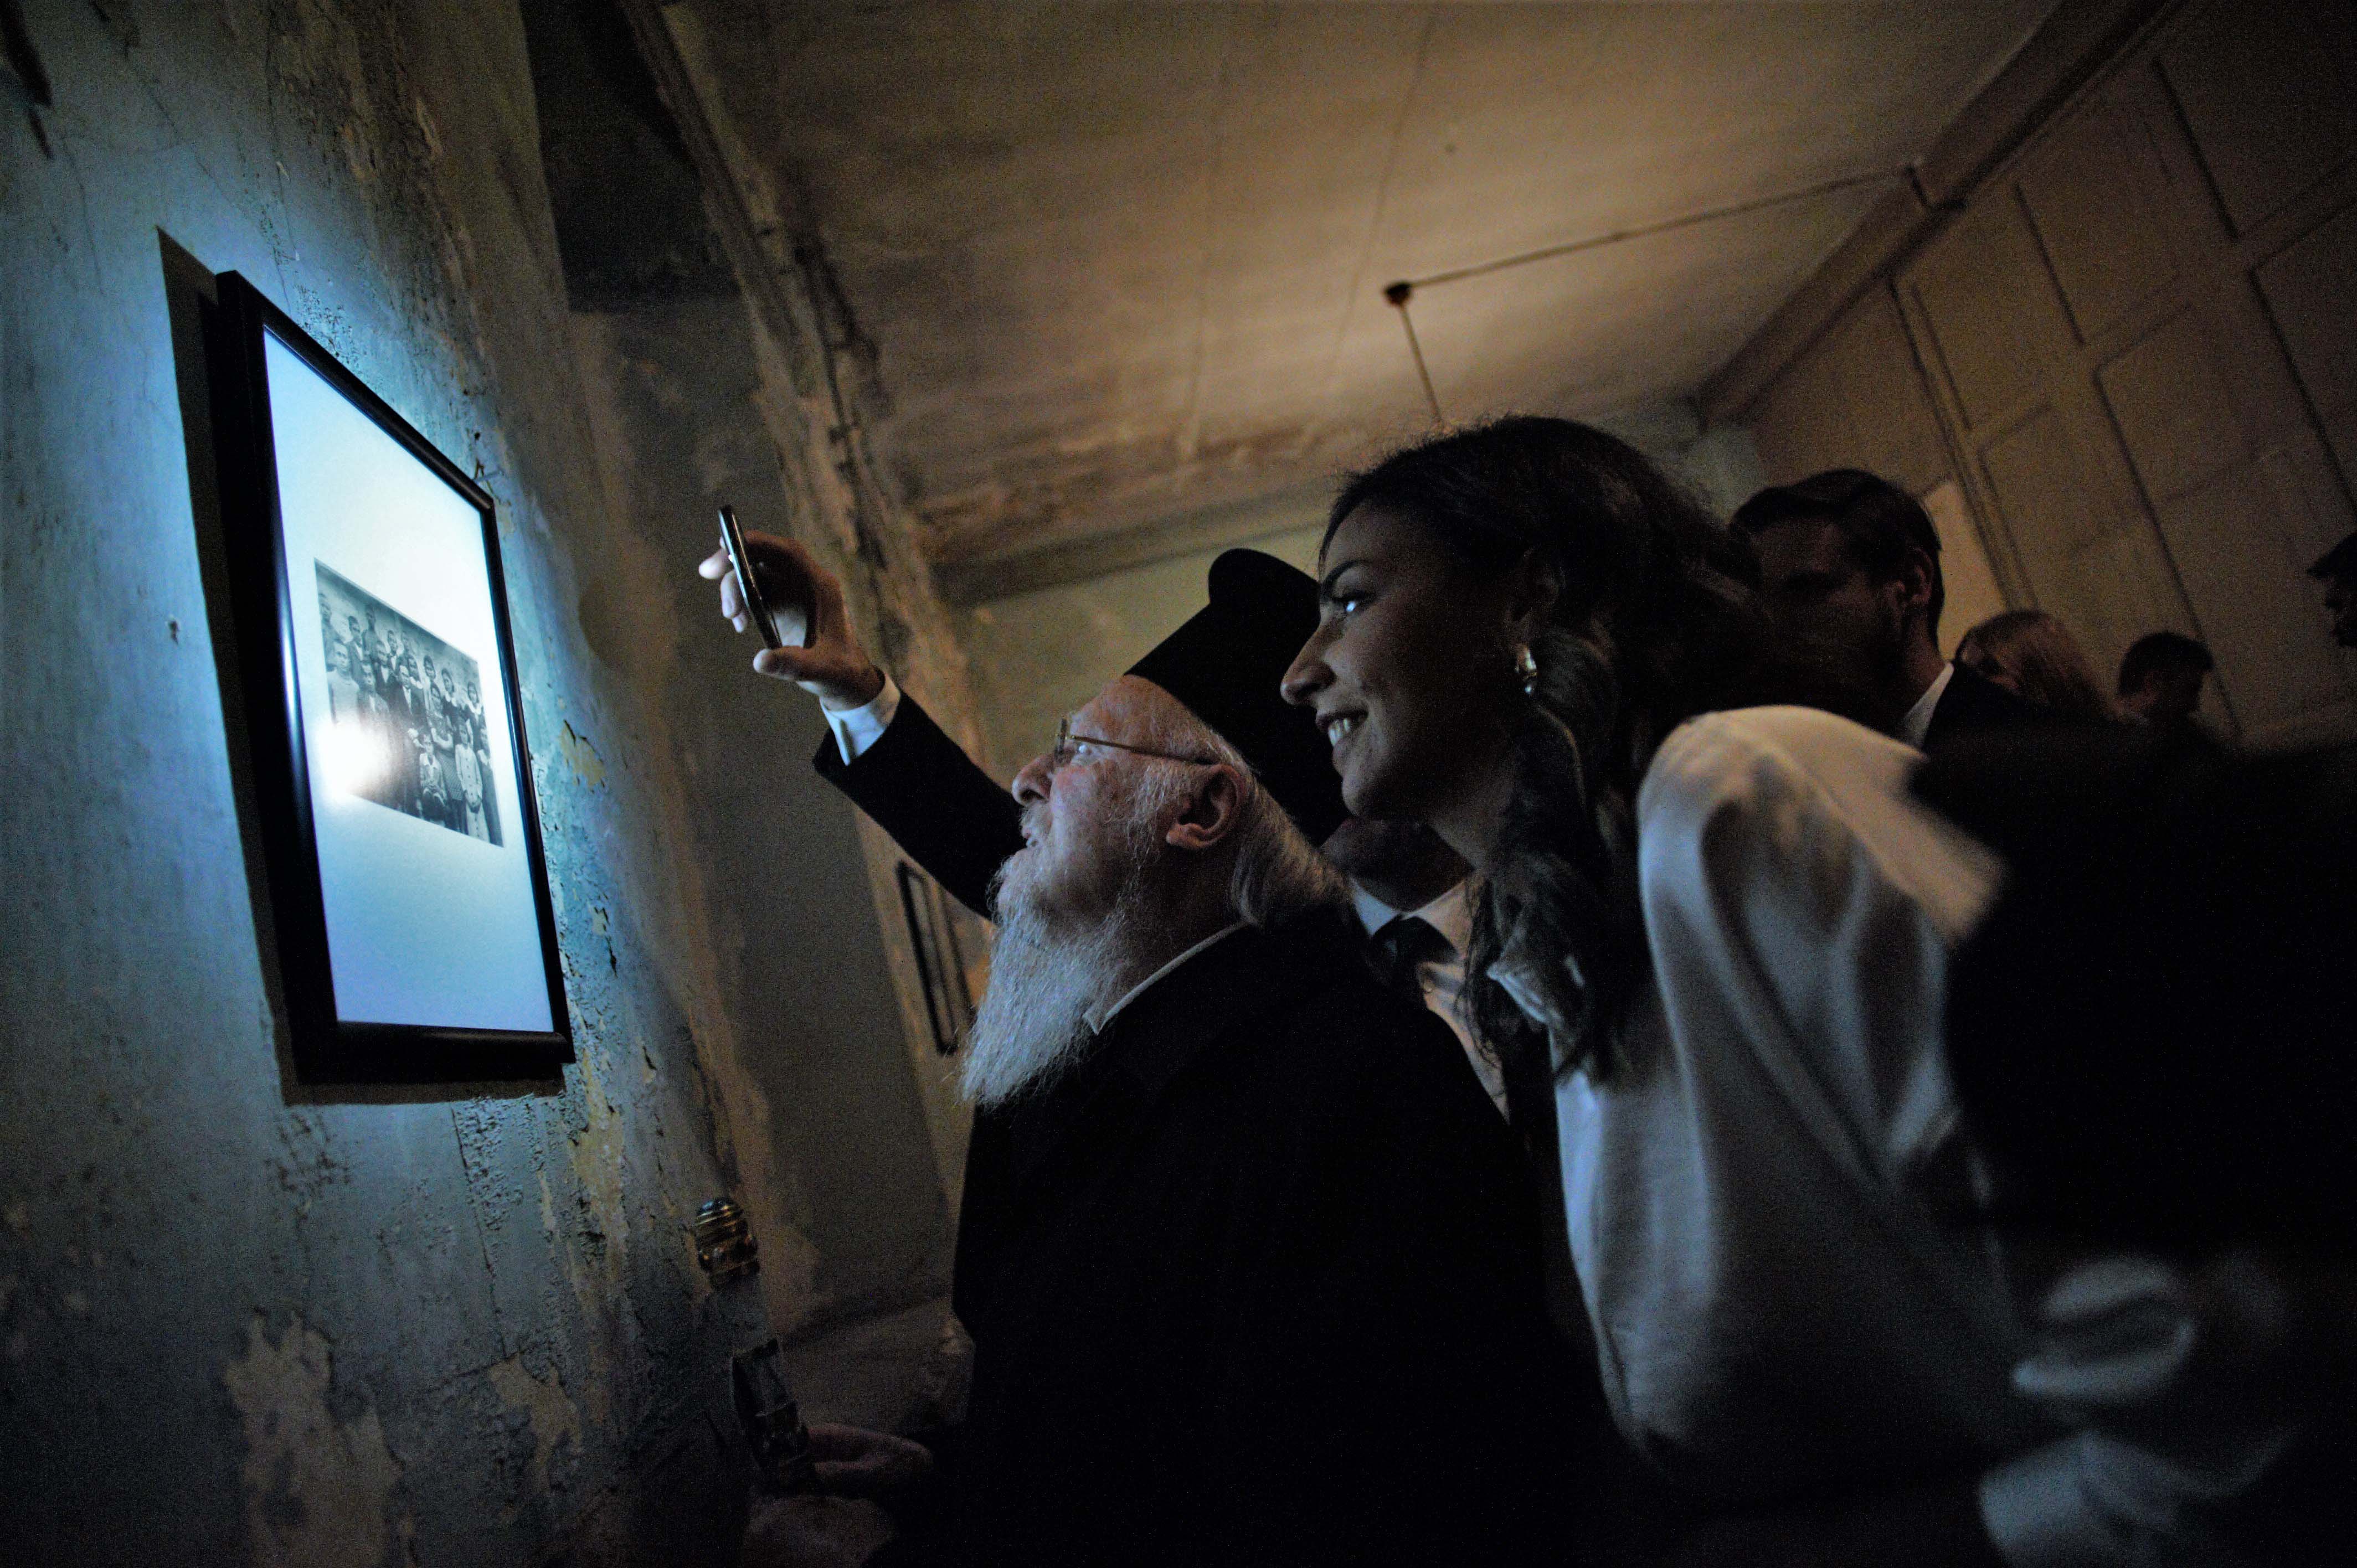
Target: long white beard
x: 1048, y: 971
x: 1034, y: 1017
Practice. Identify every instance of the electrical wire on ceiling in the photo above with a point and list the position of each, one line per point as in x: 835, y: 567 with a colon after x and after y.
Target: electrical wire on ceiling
x: 1397, y: 295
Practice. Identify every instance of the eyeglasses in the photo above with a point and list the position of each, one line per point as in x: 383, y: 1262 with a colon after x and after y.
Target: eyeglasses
x: 1068, y: 747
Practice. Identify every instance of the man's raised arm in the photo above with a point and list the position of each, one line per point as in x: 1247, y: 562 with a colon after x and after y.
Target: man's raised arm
x: 883, y: 749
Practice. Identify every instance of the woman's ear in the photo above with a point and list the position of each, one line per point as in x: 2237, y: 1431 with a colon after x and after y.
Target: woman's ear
x: 1212, y: 813
x: 1532, y: 586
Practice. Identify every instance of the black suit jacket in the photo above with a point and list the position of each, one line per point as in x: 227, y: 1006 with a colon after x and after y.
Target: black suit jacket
x: 1975, y: 705
x: 1253, y: 1283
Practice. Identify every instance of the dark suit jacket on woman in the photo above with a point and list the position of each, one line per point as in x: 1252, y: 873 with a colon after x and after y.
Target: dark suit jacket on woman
x: 1253, y: 1284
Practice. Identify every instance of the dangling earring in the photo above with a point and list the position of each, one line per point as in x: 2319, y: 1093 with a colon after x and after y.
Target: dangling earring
x: 1527, y: 665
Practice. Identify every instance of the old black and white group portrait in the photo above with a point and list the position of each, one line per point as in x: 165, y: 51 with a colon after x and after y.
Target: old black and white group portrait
x: 416, y: 705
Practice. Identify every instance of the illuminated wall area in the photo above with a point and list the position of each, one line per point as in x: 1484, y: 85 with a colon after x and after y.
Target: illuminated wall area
x: 245, y: 1320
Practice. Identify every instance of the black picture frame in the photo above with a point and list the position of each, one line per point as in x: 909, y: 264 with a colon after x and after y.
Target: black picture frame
x: 941, y: 959
x: 328, y: 1044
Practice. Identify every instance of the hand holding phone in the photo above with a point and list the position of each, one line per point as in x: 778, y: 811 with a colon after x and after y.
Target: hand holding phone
x: 779, y: 589
x: 748, y: 587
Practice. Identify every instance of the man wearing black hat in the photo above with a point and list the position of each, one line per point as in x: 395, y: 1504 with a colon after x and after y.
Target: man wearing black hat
x: 1244, y: 1251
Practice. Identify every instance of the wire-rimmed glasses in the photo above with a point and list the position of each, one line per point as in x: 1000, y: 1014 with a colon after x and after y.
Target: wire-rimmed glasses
x: 1068, y: 745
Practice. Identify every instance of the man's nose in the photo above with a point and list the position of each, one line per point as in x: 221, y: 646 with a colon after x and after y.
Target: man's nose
x: 1031, y: 780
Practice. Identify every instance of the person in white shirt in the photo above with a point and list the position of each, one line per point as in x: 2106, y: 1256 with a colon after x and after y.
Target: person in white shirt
x: 1734, y: 924
x: 2149, y: 1037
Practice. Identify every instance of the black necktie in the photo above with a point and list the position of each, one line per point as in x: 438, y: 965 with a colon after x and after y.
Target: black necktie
x: 1404, y: 943
x: 1526, y: 1061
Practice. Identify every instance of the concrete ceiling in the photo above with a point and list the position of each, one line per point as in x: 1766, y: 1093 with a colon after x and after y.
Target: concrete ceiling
x: 1122, y: 265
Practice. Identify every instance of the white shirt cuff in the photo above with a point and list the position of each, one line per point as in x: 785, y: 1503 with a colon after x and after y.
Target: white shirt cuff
x: 2090, y: 1500
x: 2038, y: 1515
x: 857, y: 729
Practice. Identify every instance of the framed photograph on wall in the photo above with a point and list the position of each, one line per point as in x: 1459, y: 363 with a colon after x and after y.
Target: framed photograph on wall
x: 942, y: 965
x: 416, y: 942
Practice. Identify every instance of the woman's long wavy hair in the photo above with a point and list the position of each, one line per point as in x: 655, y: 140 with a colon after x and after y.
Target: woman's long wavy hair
x: 2035, y: 656
x: 1657, y: 618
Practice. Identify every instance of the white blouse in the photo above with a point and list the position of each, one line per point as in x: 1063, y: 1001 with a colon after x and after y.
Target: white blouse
x: 1779, y: 1307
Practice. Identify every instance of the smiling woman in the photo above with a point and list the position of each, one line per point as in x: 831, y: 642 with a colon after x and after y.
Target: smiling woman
x: 1449, y: 567
x: 1733, y: 927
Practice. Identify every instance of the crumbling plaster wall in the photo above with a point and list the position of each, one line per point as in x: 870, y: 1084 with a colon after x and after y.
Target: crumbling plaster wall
x: 706, y: 387
x: 240, y: 1320
x: 676, y: 393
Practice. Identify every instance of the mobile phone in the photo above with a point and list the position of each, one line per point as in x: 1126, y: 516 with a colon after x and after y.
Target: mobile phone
x: 747, y: 589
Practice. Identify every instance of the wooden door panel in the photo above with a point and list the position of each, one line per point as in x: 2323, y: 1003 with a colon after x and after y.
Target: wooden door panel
x: 2241, y: 543
x: 1994, y: 319
x: 2125, y: 588
x: 1803, y: 421
x: 2171, y: 406
x: 2139, y: 342
x: 2043, y: 490
x: 1965, y: 571
x: 2310, y: 289
x: 1857, y: 401
x: 2107, y: 578
x: 2341, y: 434
x: 2090, y: 195
x: 2309, y: 504
x: 2269, y: 89
x: 1883, y: 386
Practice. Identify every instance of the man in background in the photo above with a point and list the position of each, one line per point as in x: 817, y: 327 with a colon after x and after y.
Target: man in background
x: 2337, y: 568
x: 1850, y: 567
x: 2160, y: 679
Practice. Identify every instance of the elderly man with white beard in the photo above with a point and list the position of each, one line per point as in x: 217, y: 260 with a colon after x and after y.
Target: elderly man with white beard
x: 1097, y: 902
x: 1245, y: 1252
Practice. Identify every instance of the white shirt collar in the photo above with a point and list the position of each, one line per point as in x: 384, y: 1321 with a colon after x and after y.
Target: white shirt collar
x: 1097, y: 1021
x: 1918, y: 722
x: 1447, y: 914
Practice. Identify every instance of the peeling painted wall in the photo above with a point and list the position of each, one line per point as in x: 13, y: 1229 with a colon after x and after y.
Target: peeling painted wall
x: 699, y: 395
x: 240, y: 1320
x: 853, y: 1211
